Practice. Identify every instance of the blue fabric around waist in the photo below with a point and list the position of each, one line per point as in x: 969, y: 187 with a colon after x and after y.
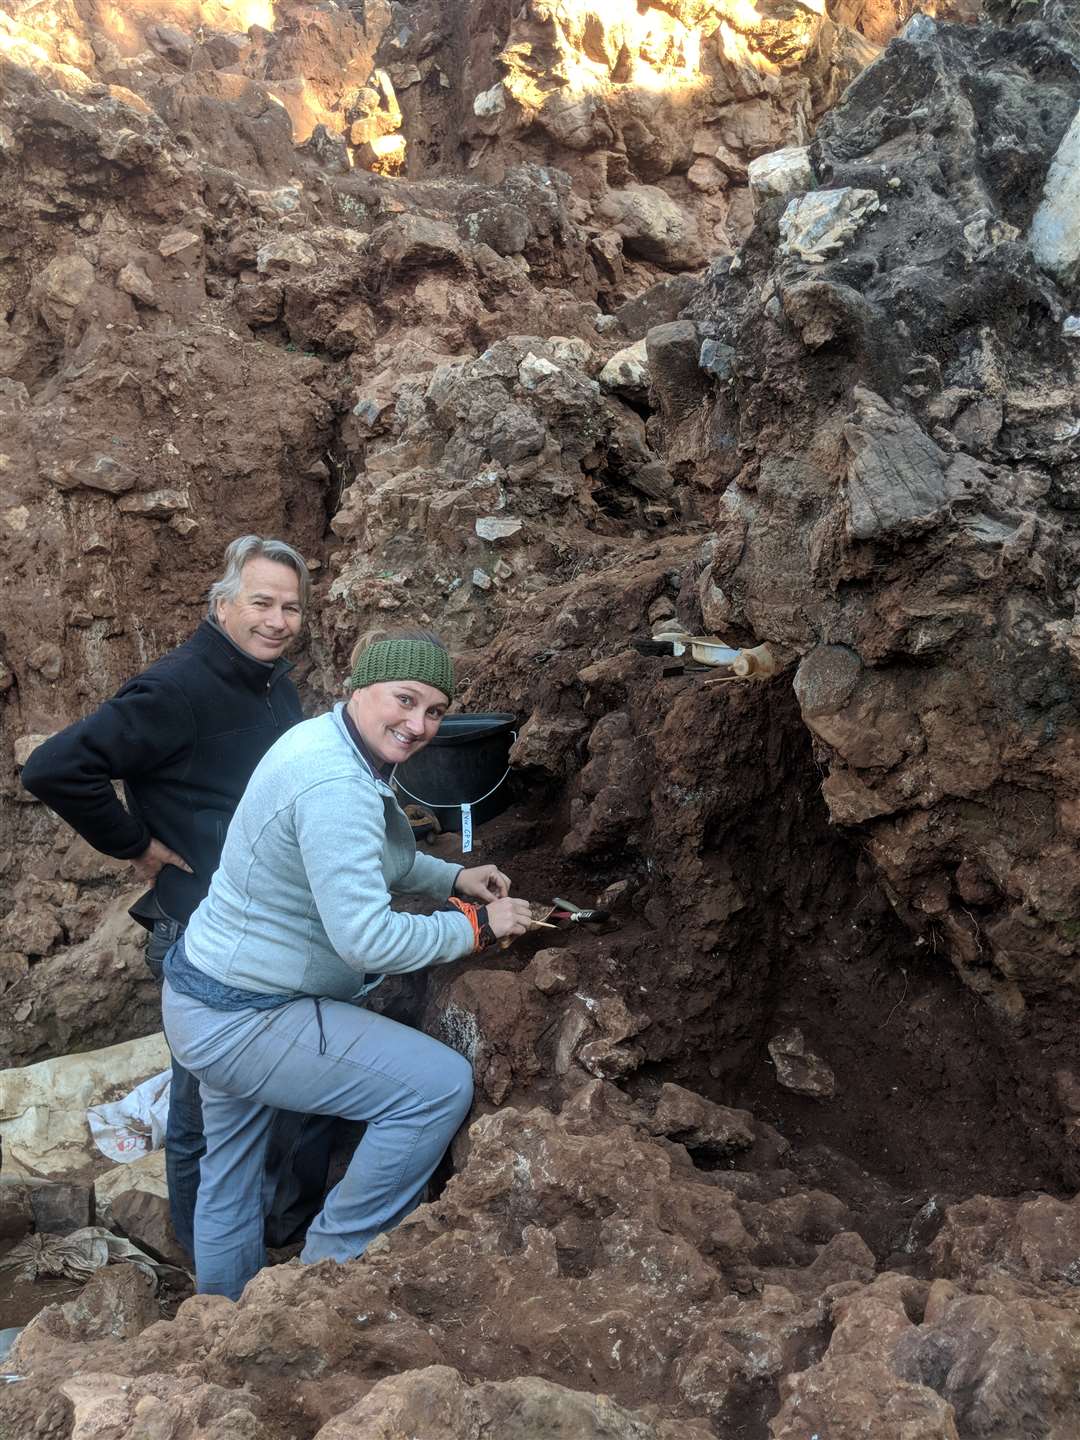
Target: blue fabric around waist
x: 184, y: 978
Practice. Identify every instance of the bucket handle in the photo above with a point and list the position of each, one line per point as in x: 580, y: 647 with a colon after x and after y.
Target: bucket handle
x: 457, y: 804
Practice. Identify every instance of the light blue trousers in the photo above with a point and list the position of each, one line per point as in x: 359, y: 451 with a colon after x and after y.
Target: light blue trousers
x: 334, y: 1059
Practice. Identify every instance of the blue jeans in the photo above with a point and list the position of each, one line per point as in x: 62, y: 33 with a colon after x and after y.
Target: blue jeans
x: 328, y: 1058
x: 295, y: 1178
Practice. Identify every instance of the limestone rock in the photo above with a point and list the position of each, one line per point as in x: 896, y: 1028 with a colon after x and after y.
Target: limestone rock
x: 497, y: 527
x: 182, y: 243
x: 490, y: 102
x: 127, y: 1406
x: 627, y: 372
x: 134, y: 1199
x: 798, y: 1068
x: 159, y: 504
x: 699, y: 1124
x: 287, y: 252
x: 1055, y: 229
x: 654, y: 227
x: 93, y: 472
x: 134, y: 280
x: 815, y: 225
x: 898, y: 479
x: 553, y: 971
x: 174, y: 44
x: 535, y: 369
x: 61, y: 287
x: 437, y: 1402
x: 781, y: 174
x: 25, y: 745
x: 413, y: 240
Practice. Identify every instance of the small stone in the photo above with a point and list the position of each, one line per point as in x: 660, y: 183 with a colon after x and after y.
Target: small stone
x: 405, y: 76
x: 501, y: 570
x: 158, y: 504
x: 382, y: 154
x: 414, y: 241
x: 47, y: 660
x: 716, y: 358
x: 284, y: 200
x: 814, y: 225
x: 605, y: 324
x: 627, y: 372
x: 288, y: 252
x: 1070, y: 327
x: 136, y: 283
x: 691, y: 1120
x: 707, y: 176
x: 729, y: 161
x: 95, y: 472
x: 616, y: 898
x: 1055, y: 231
x: 60, y: 1208
x: 171, y: 43
x: 134, y: 1198
x: 25, y: 745
x: 798, y: 1069
x: 553, y: 971
x: 534, y: 370
x: 497, y: 527
x: 14, y: 966
x: 781, y: 174
x: 481, y: 579
x: 490, y: 102
x: 176, y: 242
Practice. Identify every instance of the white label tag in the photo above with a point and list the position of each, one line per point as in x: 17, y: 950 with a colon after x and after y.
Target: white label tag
x: 466, y: 829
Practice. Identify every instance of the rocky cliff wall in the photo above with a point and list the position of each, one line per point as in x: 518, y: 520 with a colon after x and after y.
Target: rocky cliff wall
x: 480, y: 311
x: 196, y: 228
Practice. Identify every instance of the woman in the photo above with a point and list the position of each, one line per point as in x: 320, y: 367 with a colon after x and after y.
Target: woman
x: 261, y: 1000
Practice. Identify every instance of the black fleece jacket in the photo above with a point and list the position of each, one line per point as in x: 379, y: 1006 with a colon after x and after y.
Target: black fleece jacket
x: 184, y: 737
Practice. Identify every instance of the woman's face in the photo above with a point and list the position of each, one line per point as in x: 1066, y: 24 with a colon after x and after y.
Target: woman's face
x: 397, y: 718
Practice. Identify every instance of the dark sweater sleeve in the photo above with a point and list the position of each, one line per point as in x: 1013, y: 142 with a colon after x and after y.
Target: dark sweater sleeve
x: 146, y: 726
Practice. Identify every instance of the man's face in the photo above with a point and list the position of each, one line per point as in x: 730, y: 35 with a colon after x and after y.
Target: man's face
x: 265, y: 617
x: 397, y: 718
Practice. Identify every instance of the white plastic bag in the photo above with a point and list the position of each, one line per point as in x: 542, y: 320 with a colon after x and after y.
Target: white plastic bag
x: 129, y: 1128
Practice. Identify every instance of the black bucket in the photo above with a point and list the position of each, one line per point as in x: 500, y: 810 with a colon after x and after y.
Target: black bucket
x: 467, y: 763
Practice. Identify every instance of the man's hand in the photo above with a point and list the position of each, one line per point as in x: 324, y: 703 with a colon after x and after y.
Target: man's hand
x: 155, y: 857
x: 483, y: 882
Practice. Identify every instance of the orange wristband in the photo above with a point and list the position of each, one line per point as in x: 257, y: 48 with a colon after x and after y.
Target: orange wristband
x: 469, y: 911
x: 483, y: 935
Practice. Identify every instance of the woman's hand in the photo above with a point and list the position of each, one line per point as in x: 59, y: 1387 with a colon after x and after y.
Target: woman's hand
x: 509, y: 917
x: 483, y: 882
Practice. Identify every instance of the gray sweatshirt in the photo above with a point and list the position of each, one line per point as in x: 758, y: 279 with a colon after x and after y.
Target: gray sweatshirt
x: 300, y: 903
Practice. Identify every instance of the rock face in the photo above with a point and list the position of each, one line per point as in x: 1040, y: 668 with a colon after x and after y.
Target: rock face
x: 913, y: 544
x: 588, y: 1247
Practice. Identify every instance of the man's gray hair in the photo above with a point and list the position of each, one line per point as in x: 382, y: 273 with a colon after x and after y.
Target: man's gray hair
x: 254, y: 547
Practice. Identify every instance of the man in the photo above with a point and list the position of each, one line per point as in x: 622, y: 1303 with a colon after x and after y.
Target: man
x: 184, y: 737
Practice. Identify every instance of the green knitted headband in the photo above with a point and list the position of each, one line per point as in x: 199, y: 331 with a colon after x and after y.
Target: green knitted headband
x: 404, y: 660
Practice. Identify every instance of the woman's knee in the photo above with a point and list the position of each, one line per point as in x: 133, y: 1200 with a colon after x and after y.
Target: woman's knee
x: 460, y: 1077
